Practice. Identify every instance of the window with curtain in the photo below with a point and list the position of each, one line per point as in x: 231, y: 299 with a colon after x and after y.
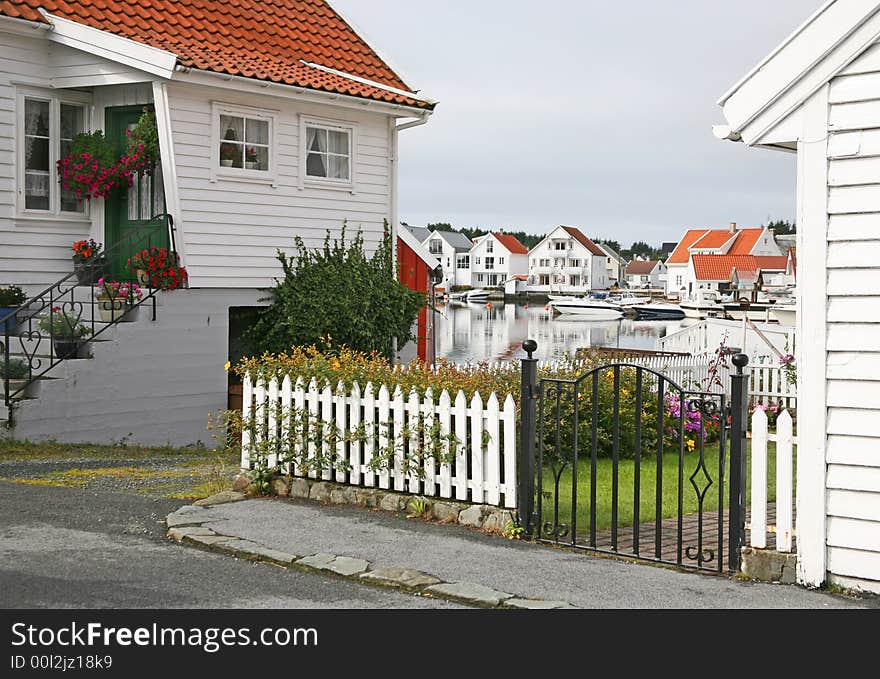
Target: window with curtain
x: 48, y: 126
x: 328, y: 153
x: 245, y: 142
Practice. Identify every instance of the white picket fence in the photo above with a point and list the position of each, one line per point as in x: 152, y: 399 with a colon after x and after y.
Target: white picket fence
x: 785, y: 446
x: 481, y: 435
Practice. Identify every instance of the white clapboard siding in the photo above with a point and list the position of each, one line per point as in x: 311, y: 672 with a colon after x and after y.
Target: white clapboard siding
x: 232, y: 229
x: 404, y: 431
x: 784, y: 491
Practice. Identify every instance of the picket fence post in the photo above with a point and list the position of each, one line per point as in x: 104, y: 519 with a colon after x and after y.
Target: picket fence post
x: 247, y: 416
x: 784, y: 481
x: 759, y: 479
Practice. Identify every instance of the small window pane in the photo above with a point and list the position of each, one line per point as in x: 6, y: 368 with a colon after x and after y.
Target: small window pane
x: 261, y: 158
x: 231, y: 154
x: 231, y: 128
x: 317, y: 139
x: 338, y: 142
x: 36, y: 191
x: 71, y: 121
x: 36, y: 117
x: 315, y: 165
x: 36, y: 155
x: 257, y: 131
x: 338, y: 167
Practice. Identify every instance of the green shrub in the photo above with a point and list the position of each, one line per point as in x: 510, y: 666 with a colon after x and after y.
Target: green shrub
x: 340, y: 295
x: 11, y: 296
x: 18, y: 369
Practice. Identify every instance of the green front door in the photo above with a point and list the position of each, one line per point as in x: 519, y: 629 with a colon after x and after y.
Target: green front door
x: 128, y: 210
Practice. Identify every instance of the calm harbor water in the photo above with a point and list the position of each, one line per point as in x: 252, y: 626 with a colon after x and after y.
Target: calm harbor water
x: 477, y: 332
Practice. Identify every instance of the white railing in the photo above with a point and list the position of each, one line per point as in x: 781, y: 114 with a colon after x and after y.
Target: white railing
x: 785, y: 444
x: 449, y: 448
x: 706, y: 336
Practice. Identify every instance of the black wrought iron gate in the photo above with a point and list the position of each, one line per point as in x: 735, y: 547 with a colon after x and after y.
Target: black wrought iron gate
x: 624, y: 461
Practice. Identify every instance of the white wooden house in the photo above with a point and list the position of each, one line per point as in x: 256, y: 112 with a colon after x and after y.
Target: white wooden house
x: 567, y: 261
x: 645, y: 274
x: 453, y: 249
x: 818, y: 96
x: 496, y: 258
x: 319, y: 108
x: 614, y: 263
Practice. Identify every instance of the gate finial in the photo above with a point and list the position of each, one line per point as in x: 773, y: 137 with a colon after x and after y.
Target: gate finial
x: 530, y: 346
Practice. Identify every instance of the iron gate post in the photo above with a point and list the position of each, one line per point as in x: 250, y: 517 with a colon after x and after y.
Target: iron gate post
x: 525, y: 483
x: 739, y: 403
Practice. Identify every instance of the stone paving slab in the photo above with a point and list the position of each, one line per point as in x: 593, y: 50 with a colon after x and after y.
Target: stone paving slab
x: 401, y: 577
x: 470, y: 592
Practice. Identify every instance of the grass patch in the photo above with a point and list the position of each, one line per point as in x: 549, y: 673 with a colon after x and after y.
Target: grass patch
x: 11, y: 449
x: 647, y: 491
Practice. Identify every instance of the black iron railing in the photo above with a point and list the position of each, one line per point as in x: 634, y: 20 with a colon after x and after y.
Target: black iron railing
x: 29, y: 337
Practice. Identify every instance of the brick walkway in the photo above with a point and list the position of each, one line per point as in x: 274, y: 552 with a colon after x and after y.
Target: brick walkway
x: 690, y: 535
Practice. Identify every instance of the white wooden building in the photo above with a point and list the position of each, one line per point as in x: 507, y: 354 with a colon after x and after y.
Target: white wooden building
x: 453, y: 249
x: 614, y: 264
x: 497, y: 258
x: 318, y: 107
x: 818, y: 96
x: 567, y: 261
x: 646, y: 274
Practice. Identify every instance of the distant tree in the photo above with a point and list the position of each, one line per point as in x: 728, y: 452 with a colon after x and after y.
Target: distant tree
x: 441, y: 226
x: 643, y: 250
x: 781, y: 227
x: 613, y: 244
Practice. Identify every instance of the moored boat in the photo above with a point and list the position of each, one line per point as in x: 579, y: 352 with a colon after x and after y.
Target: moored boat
x: 658, y: 311
x: 704, y: 305
x: 592, y: 309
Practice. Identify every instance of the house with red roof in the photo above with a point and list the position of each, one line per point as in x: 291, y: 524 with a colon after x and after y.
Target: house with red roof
x: 275, y: 120
x: 496, y: 258
x: 645, y: 274
x: 567, y: 261
x: 682, y: 280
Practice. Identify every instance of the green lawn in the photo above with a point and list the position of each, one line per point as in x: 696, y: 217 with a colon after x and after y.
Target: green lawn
x: 647, y: 494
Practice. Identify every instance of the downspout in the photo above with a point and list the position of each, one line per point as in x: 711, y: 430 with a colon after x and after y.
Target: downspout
x: 394, y: 130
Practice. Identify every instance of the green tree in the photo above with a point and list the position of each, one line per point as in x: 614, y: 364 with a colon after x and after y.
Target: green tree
x: 337, y: 292
x: 782, y: 227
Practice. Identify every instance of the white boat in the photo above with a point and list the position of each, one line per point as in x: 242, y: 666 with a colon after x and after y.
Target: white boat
x: 476, y: 295
x: 628, y: 299
x: 589, y: 309
x: 704, y: 305
x: 658, y: 311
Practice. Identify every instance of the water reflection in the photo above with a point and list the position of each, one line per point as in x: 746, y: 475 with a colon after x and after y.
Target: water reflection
x: 477, y: 332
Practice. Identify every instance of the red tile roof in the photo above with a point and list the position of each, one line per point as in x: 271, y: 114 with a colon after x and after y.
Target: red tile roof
x: 681, y: 255
x: 745, y: 241
x: 639, y: 268
x: 579, y: 236
x: 513, y: 246
x: 720, y: 267
x: 260, y: 39
x: 713, y: 239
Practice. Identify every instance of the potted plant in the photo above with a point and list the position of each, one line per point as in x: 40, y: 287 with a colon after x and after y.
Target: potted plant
x: 159, y: 268
x: 116, y: 300
x: 251, y: 160
x: 11, y: 298
x: 88, y: 261
x: 17, y: 374
x: 229, y: 153
x: 65, y: 330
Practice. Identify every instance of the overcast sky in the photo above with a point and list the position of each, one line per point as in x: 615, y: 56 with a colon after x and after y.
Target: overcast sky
x: 590, y: 113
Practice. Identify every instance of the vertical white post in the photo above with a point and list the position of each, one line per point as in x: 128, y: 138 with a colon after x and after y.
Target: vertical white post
x: 784, y: 481
x: 476, y: 414
x: 371, y: 430
x: 492, y: 453
x: 286, y: 402
x: 340, y: 402
x: 509, y: 418
x: 300, y: 424
x: 354, y: 446
x: 429, y: 417
x: 384, y: 439
x: 272, y: 423
x: 326, y: 419
x: 260, y: 416
x: 445, y: 414
x: 759, y: 479
x: 413, y: 410
x: 399, y: 438
x: 461, y: 472
x: 312, y: 426
x: 247, y: 418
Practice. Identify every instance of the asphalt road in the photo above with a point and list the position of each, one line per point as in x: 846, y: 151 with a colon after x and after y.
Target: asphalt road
x: 77, y: 548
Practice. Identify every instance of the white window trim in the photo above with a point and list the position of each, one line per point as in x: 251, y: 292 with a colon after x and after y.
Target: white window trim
x: 56, y: 98
x: 324, y: 182
x: 218, y: 172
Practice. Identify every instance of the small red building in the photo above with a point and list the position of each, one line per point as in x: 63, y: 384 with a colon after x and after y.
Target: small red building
x: 415, y: 267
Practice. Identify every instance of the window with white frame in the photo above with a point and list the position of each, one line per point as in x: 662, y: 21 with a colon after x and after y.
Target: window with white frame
x: 47, y: 124
x: 328, y: 152
x: 559, y: 245
x: 490, y: 263
x: 244, y: 142
x: 435, y: 247
x: 501, y: 260
x: 490, y: 246
x: 463, y: 262
x: 574, y: 263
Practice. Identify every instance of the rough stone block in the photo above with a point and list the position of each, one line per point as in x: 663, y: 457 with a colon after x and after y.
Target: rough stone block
x: 321, y: 560
x: 401, y: 577
x: 181, y: 532
x: 343, y: 496
x: 241, y: 482
x: 391, y: 502
x: 767, y: 565
x: 300, y: 488
x: 472, y: 516
x: 221, y: 498
x: 492, y: 521
x: 254, y: 549
x: 446, y: 512
x: 187, y: 519
x: 346, y: 565
x: 280, y: 486
x: 366, y: 497
x: 473, y: 593
x: 320, y: 492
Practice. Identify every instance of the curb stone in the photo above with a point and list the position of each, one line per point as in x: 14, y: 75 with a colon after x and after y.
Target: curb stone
x: 184, y: 526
